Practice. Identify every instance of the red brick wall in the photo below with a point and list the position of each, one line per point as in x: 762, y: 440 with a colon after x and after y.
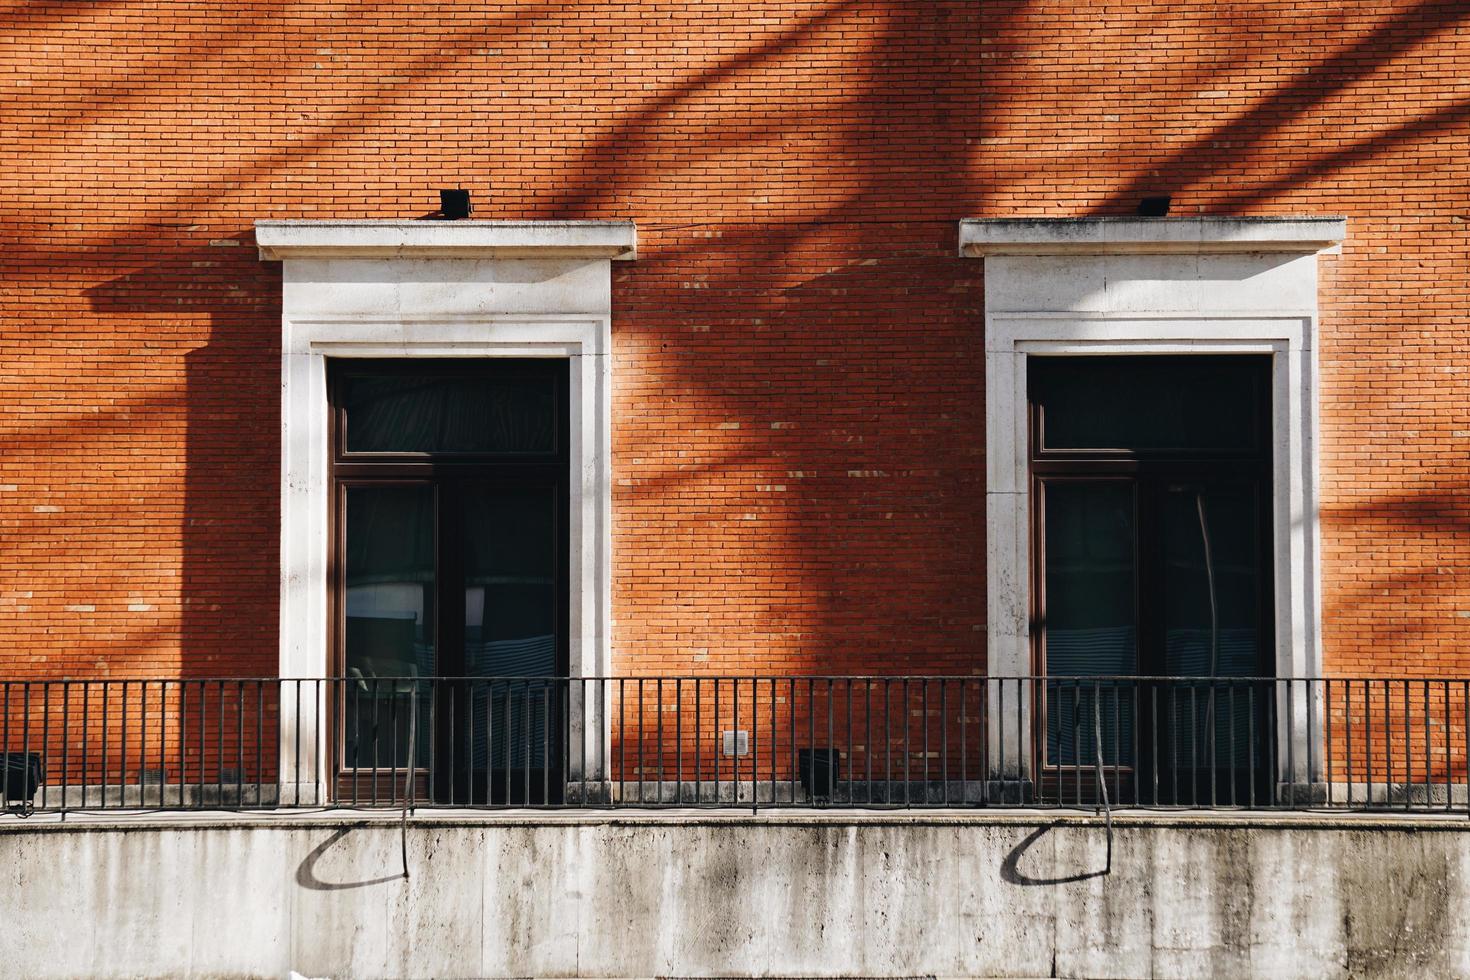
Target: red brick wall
x: 798, y: 363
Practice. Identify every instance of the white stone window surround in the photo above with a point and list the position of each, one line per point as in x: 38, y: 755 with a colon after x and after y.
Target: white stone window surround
x: 1150, y: 286
x: 403, y: 289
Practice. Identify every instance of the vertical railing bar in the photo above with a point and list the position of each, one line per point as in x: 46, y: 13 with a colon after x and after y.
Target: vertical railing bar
x: 1212, y: 749
x: 1250, y: 743
x: 1347, y: 728
x: 296, y: 747
x: 1022, y: 748
x: 659, y: 729
x: 964, y: 743
x: 1327, y: 726
x: 719, y: 744
x: 489, y: 742
x: 581, y: 740
x: 65, y: 743
x: 944, y: 741
x: 319, y: 759
x: 1001, y: 728
x: 1465, y: 731
x: 983, y: 741
x: 1428, y: 752
x: 1076, y: 686
x: 1388, y: 747
x: 678, y: 741
x: 394, y: 761
x: 811, y: 740
x: 887, y: 742
x: 507, y: 741
x: 356, y: 736
x: 1449, y: 790
x: 545, y: 747
x: 924, y: 715
x: 85, y: 739
x: 1173, y: 743
x: 219, y: 741
x: 122, y: 766
x: 526, y: 739
x: 1117, y: 693
x: 622, y: 739
x: 775, y: 764
x: 909, y: 748
x: 260, y: 716
x: 25, y: 734
x: 162, y: 746
x: 203, y: 740
x: 735, y: 755
x: 642, y: 768
x: 698, y: 740
x: 5, y: 740
x: 1408, y: 750
x: 240, y: 744
x: 1194, y: 737
x: 791, y: 723
x: 851, y: 756
x: 44, y: 746
x: 831, y: 749
x: 377, y: 699
x: 1234, y: 758
x: 453, y: 765
x: 1368, y: 742
x: 754, y: 744
x: 1428, y: 748
x: 1273, y: 726
x: 183, y: 736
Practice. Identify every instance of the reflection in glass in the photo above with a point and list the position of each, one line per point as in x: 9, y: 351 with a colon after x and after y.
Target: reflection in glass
x: 1211, y: 616
x: 1091, y: 623
x: 389, y: 641
x: 448, y: 414
x: 1150, y: 403
x: 510, y: 619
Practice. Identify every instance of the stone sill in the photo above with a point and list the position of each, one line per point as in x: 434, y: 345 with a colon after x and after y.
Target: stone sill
x: 95, y: 821
x: 468, y: 239
x: 1111, y: 236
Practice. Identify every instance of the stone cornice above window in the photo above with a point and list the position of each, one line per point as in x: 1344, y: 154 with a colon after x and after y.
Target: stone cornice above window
x: 1112, y: 236
x: 277, y: 240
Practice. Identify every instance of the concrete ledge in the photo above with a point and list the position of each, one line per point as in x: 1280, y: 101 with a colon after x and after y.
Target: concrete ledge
x: 425, y: 818
x: 815, y: 894
x: 1057, y: 236
x: 279, y: 240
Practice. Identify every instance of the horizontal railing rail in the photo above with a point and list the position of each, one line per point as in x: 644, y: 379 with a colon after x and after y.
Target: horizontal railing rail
x: 736, y: 741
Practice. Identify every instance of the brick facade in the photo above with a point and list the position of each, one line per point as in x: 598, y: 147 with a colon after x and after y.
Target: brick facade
x: 798, y: 362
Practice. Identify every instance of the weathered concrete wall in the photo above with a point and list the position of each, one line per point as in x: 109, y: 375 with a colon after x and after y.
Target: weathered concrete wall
x: 819, y: 895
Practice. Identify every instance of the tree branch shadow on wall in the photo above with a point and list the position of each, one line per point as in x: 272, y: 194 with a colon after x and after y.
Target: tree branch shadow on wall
x: 939, y: 117
x: 306, y: 871
x: 1010, y: 868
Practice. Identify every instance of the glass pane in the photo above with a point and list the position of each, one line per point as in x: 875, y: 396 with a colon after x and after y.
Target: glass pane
x: 497, y: 412
x: 1212, y: 616
x: 1150, y: 403
x: 1091, y: 618
x: 511, y: 620
x: 389, y: 635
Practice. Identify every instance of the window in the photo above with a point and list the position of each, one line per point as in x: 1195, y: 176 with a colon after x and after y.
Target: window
x: 1150, y: 483
x: 1126, y: 287
x: 451, y: 483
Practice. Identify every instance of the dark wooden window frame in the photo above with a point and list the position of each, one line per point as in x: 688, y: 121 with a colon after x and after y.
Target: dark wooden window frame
x: 1146, y: 471
x: 447, y: 474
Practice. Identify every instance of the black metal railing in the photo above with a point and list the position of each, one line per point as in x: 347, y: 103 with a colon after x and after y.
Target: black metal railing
x: 735, y: 741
